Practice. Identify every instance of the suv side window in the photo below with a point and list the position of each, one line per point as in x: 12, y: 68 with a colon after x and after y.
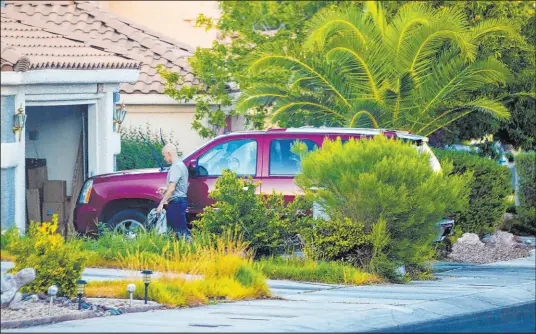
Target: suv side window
x: 282, y: 160
x: 240, y: 156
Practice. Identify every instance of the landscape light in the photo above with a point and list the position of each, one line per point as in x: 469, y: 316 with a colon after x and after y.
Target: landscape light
x: 146, y: 280
x: 80, y: 285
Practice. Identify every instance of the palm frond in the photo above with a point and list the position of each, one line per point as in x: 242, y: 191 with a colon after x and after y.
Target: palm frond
x: 330, y: 23
x: 259, y: 96
x: 296, y: 104
x: 456, y: 111
x: 497, y: 26
x: 456, y: 77
x: 408, y: 18
x: 300, y: 67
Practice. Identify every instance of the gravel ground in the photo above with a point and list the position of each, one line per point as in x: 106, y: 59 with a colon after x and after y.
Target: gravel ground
x: 35, y: 308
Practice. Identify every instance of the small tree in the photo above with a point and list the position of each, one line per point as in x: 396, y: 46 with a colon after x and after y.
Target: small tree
x: 383, y: 199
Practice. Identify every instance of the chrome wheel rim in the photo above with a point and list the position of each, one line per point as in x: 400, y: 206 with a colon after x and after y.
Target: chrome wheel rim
x: 129, y: 228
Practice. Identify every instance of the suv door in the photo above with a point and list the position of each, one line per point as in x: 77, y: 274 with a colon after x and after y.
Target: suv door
x: 281, y: 165
x: 241, y: 154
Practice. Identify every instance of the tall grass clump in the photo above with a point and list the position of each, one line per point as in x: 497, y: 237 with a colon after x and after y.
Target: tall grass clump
x: 308, y: 270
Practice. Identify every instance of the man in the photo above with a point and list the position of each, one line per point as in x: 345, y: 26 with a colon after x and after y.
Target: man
x: 175, y: 191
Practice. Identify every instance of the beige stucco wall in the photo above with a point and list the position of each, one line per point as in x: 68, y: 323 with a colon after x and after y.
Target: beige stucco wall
x: 174, y: 120
x: 171, y: 18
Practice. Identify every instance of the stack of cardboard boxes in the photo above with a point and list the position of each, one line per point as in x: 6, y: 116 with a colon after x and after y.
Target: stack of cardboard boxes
x: 45, y: 198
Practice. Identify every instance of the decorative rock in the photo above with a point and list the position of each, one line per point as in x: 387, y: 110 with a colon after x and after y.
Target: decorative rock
x: 503, y: 239
x: 42, y: 296
x: 85, y: 306
x: 10, y: 285
x: 500, y: 247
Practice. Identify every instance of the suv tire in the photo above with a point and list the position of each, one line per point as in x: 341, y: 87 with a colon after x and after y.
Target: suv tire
x: 126, y: 220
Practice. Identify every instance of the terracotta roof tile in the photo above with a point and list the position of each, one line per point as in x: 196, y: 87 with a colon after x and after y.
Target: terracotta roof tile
x: 25, y: 47
x: 112, y: 33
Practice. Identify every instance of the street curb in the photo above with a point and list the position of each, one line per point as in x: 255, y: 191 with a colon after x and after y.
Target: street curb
x: 69, y: 317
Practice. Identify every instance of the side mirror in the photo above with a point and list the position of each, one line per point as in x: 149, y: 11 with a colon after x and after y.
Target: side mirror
x: 192, y: 168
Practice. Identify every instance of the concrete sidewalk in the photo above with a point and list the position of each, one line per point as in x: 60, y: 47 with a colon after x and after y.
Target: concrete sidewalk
x: 308, y: 307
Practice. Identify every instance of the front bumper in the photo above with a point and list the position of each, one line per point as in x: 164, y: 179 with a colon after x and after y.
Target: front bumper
x: 86, y: 219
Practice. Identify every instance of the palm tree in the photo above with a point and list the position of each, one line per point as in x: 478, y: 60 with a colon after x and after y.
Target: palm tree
x: 419, y: 72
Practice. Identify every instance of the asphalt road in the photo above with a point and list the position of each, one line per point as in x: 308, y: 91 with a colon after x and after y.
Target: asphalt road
x: 517, y: 319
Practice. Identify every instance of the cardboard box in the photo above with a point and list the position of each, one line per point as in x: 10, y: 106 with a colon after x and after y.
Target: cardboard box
x: 55, y: 191
x: 50, y: 208
x: 36, y: 177
x: 33, y: 205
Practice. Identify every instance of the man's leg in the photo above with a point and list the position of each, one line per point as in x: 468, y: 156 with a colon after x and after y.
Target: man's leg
x: 172, y: 215
x: 182, y: 223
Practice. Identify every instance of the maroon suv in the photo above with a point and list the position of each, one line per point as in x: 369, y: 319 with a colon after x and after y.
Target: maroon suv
x: 123, y: 199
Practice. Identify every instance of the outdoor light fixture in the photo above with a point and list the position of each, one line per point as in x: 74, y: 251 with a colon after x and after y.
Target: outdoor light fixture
x: 52, y: 292
x: 130, y: 289
x: 146, y: 279
x: 119, y: 115
x: 80, y: 285
x: 19, y: 119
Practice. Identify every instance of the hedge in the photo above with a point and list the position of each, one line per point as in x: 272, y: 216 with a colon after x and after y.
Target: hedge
x: 526, y: 170
x: 490, y: 187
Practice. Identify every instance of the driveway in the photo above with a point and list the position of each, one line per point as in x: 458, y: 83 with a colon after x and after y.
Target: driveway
x: 306, y: 307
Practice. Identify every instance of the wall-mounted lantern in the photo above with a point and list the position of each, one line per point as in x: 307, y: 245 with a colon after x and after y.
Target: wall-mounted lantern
x: 119, y: 115
x: 19, y: 119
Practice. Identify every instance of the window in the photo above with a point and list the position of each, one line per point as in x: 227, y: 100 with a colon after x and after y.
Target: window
x: 282, y: 160
x: 240, y: 156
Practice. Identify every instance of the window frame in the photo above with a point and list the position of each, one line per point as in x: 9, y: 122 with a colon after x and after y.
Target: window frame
x: 226, y: 142
x: 285, y: 139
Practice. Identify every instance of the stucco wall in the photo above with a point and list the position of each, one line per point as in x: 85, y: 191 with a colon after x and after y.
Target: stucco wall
x: 8, y: 197
x: 59, y: 136
x: 168, y: 17
x: 173, y: 119
x: 8, y: 106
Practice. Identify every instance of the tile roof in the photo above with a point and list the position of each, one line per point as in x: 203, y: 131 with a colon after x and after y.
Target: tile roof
x: 25, y: 47
x: 93, y: 25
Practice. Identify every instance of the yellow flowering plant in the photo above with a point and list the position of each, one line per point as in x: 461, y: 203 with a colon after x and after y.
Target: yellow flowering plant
x: 55, y: 261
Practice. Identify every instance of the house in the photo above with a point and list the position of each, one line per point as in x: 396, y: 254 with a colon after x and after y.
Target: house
x: 170, y: 18
x: 145, y: 99
x: 66, y: 83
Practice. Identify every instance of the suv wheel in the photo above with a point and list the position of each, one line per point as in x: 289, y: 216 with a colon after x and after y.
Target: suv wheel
x: 128, y: 222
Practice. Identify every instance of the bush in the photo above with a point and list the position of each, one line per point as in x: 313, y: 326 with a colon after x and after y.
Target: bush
x: 385, y: 194
x: 55, y: 261
x: 265, y: 222
x: 490, y: 188
x: 135, y: 153
x: 526, y: 169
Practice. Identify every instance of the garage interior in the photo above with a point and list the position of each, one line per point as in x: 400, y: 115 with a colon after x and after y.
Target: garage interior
x: 56, y: 162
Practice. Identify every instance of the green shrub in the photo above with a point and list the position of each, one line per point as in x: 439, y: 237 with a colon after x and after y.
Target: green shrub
x: 8, y: 237
x: 264, y: 221
x: 135, y: 153
x: 55, y: 261
x: 385, y: 194
x: 526, y: 169
x: 490, y: 188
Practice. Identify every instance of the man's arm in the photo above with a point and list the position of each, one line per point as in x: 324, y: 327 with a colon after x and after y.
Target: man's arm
x: 167, y: 195
x: 169, y: 191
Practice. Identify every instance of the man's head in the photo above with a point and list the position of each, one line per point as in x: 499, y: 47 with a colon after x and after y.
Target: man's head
x: 169, y: 152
